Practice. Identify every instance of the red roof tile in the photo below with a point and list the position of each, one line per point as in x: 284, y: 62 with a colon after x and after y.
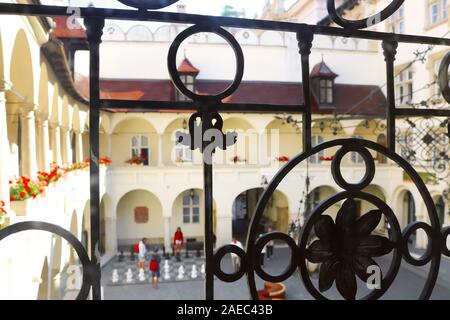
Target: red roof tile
x: 64, y: 29
x: 351, y: 99
x: 187, y: 67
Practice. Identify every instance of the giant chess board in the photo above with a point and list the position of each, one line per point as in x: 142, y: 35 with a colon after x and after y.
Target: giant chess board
x: 170, y: 271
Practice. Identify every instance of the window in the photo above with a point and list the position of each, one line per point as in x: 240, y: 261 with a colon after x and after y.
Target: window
x: 316, y: 140
x: 188, y: 81
x: 140, y: 146
x: 404, y: 87
x: 326, y: 91
x: 191, y: 208
x: 182, y: 153
x: 437, y: 11
x: 396, y: 22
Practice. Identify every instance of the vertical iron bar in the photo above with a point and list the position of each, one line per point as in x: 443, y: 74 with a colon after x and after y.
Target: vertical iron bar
x: 94, y: 30
x: 208, y: 191
x: 305, y: 39
x: 389, y: 51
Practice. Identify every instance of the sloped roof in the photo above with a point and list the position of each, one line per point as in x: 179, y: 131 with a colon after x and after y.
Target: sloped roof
x: 187, y: 67
x: 67, y: 27
x: 349, y: 98
x: 321, y: 70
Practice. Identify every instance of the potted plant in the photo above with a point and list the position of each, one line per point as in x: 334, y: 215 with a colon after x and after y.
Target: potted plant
x: 2, y: 213
x: 137, y: 159
x: 105, y: 161
x: 22, y: 191
x: 282, y: 158
x: 237, y: 159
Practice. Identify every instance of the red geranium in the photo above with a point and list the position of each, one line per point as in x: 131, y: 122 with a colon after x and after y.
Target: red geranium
x: 282, y: 159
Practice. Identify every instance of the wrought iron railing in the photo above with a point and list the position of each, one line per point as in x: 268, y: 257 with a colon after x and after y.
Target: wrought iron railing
x: 344, y: 247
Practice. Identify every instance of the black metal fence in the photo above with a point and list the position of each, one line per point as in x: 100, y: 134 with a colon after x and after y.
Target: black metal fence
x: 355, y: 244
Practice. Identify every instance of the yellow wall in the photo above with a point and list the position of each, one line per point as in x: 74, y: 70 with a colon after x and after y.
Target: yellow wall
x: 127, y: 230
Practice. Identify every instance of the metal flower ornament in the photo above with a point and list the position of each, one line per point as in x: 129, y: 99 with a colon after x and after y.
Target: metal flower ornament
x: 346, y: 248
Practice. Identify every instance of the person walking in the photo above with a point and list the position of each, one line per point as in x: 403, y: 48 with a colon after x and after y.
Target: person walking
x: 155, y: 262
x: 178, y: 240
x: 235, y: 260
x: 142, y: 253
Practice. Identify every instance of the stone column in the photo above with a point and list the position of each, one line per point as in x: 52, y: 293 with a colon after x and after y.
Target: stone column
x: 79, y: 146
x: 56, y: 142
x: 67, y: 152
x: 160, y: 149
x: 44, y: 144
x: 5, y: 170
x: 28, y: 147
x: 224, y: 222
x: 167, y: 235
x: 224, y: 230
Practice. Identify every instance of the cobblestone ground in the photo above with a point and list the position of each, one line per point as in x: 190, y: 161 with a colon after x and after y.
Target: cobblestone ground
x: 407, y: 286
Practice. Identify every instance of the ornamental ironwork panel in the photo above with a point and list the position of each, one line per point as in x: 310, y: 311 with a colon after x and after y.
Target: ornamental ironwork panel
x: 344, y: 247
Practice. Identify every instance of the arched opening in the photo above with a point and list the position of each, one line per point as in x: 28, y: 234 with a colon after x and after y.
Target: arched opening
x: 275, y: 216
x: 409, y: 214
x: 283, y: 139
x: 188, y: 214
x: 134, y: 136
x: 73, y: 257
x: 245, y: 150
x: 409, y: 208
x: 177, y: 153
x: 316, y: 196
x: 106, y: 241
x: 86, y: 227
x: 440, y: 208
x: 139, y: 215
x: 22, y: 93
x: 381, y: 140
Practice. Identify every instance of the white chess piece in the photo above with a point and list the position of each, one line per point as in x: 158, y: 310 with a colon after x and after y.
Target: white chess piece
x: 166, y: 270
x: 194, y: 272
x: 202, y: 269
x: 115, y: 276
x: 180, y: 272
x: 129, y: 275
x: 141, y: 275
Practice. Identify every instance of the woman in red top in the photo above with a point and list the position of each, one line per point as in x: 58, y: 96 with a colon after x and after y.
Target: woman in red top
x: 178, y: 241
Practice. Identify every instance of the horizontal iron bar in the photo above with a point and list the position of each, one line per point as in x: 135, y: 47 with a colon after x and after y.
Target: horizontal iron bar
x: 190, y: 106
x: 422, y: 112
x: 161, y: 16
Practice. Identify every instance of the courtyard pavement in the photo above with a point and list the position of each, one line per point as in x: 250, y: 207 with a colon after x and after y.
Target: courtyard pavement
x: 407, y: 285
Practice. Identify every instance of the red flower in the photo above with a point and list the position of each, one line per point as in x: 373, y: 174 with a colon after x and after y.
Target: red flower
x: 11, y: 198
x: 22, y: 194
x: 2, y: 203
x: 34, y: 196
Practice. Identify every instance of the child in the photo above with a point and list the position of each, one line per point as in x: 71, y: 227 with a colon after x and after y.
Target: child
x: 155, y: 261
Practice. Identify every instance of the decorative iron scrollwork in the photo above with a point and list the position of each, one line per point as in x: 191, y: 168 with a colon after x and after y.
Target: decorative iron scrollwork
x: 346, y: 246
x: 205, y: 125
